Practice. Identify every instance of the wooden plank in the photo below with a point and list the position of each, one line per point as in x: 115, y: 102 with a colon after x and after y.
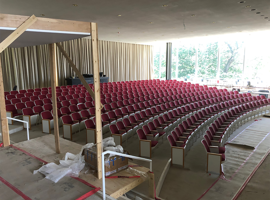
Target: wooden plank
x: 13, y: 21
x: 43, y: 147
x: 74, y: 68
x: 3, y: 115
x: 98, y: 106
x: 152, y: 185
x: 54, y: 100
x: 15, y: 34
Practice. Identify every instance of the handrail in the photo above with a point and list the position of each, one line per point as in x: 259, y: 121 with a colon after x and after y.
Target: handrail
x: 27, y: 125
x: 119, y: 154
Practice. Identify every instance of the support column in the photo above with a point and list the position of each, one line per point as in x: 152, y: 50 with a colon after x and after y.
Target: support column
x: 169, y: 61
x: 52, y: 48
x: 98, y: 107
x: 4, y: 121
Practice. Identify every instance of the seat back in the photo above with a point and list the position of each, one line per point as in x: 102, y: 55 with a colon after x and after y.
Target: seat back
x: 65, y: 110
x: 146, y: 130
x: 48, y: 107
x: 207, y: 139
x: 126, y: 122
x: 76, y: 117
x: 20, y: 106
x: 175, y: 137
x: 120, y: 125
x: 38, y: 109
x: 90, y: 124
x: 151, y: 126
x: 141, y: 134
x: 67, y: 119
x: 114, y: 129
x: 171, y: 141
x: 27, y: 111
x: 73, y: 108
x: 207, y: 149
x: 46, y: 115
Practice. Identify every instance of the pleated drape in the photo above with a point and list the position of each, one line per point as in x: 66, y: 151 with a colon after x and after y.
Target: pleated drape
x: 28, y: 67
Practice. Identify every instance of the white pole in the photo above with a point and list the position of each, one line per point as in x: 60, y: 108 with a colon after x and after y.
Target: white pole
x: 103, y: 177
x: 119, y: 154
x: 27, y: 125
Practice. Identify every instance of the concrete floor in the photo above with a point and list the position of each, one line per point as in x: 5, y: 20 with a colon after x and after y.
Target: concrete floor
x: 189, y: 183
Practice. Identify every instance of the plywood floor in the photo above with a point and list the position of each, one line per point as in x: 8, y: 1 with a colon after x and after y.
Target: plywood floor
x: 17, y: 169
x: 43, y: 147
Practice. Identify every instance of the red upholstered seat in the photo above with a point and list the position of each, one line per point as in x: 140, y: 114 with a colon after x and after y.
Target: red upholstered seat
x: 28, y: 111
x: 90, y: 124
x: 38, y: 109
x: 47, y: 115
x: 11, y: 108
x: 68, y: 120
x: 154, y: 143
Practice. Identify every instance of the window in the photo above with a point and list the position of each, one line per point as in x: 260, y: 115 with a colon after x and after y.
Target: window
x: 160, y: 61
x: 207, y: 60
x: 231, y: 59
x: 183, y: 61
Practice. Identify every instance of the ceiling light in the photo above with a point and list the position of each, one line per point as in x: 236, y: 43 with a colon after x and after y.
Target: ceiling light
x: 248, y: 6
x: 242, y: 2
x: 262, y: 15
x: 266, y: 18
x: 258, y: 13
x: 193, y: 15
x: 253, y: 9
x: 150, y: 22
x: 75, y: 5
x: 164, y: 5
x: 119, y: 15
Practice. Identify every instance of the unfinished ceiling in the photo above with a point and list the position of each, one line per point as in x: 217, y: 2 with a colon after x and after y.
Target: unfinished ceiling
x: 145, y: 21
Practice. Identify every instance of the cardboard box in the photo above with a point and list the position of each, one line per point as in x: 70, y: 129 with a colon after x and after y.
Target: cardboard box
x: 113, y: 164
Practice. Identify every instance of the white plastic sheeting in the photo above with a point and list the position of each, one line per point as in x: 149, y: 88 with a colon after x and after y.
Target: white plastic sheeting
x: 71, y: 165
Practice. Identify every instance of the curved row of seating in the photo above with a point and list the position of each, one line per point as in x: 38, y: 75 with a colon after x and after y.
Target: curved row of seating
x: 187, y: 133
x: 214, y: 108
x: 221, y: 129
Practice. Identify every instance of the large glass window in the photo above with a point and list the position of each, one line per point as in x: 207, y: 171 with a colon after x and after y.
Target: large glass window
x: 231, y: 59
x: 160, y: 61
x: 183, y: 60
x: 257, y: 62
x: 207, y: 60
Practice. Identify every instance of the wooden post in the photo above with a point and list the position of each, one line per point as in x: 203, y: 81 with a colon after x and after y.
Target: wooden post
x: 4, y: 121
x: 94, y: 36
x: 54, y: 100
x: 151, y: 185
x: 74, y: 68
x: 15, y: 34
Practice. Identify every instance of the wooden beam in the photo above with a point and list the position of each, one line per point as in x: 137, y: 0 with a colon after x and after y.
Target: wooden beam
x: 74, y: 68
x: 152, y: 185
x: 15, y: 34
x: 13, y: 21
x: 52, y: 48
x: 3, y: 115
x: 98, y: 106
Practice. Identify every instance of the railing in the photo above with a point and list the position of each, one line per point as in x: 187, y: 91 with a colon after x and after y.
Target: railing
x: 119, y: 154
x: 27, y: 125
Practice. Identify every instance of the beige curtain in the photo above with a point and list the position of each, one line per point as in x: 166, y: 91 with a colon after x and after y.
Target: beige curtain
x: 29, y: 67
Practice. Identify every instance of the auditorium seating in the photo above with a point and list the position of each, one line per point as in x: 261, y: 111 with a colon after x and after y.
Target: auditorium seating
x: 164, y: 103
x: 30, y: 116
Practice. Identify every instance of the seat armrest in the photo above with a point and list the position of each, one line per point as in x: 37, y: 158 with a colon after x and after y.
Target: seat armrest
x: 179, y: 143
